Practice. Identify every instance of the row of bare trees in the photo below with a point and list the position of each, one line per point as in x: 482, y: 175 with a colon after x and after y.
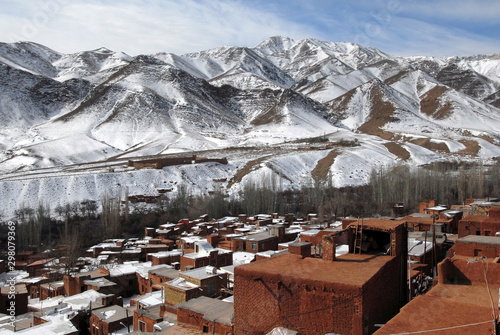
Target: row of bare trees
x: 90, y: 221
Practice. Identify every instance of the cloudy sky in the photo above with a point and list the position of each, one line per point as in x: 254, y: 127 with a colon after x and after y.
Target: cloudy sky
x: 399, y: 27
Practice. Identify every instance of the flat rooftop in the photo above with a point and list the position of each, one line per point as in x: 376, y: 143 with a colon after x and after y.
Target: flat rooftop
x: 350, y: 269
x: 377, y: 224
x: 460, y: 309
x: 212, y: 309
x: 493, y: 240
x: 259, y: 237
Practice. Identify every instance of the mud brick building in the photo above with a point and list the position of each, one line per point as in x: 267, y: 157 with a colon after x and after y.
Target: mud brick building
x: 315, y: 237
x: 50, y: 290
x: 480, y: 224
x: 102, y: 285
x: 74, y: 284
x: 40, y: 267
x: 207, y: 315
x: 153, y: 279
x: 160, y: 276
x: 348, y: 294
x: 205, y: 255
x: 109, y: 319
x: 465, y: 301
x: 191, y: 284
x: 145, y: 318
x: 477, y: 246
x: 165, y: 257
x: 259, y: 242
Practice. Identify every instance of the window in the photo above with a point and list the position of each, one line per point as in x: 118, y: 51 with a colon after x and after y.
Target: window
x: 254, y: 245
x: 205, y: 329
x: 142, y: 326
x: 211, y: 288
x: 487, y: 233
x: 477, y: 252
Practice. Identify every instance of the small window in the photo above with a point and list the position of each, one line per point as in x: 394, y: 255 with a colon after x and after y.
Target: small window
x: 205, y: 329
x: 477, y: 252
x: 487, y: 233
x: 478, y: 232
x: 142, y: 326
x: 254, y: 245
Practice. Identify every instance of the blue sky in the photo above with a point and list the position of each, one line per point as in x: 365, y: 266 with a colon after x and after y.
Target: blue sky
x: 398, y: 27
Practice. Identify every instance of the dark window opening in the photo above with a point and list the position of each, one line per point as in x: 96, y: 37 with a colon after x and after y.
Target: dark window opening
x: 375, y: 242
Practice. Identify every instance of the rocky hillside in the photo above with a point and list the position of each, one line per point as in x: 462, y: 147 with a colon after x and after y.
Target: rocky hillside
x: 282, y: 110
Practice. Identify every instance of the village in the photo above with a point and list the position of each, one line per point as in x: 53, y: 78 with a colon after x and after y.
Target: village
x: 436, y: 270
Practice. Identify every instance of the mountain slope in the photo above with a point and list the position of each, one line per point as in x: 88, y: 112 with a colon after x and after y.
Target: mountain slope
x: 289, y: 111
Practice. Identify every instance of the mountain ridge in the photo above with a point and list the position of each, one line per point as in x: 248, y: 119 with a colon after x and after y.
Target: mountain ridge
x: 100, y: 106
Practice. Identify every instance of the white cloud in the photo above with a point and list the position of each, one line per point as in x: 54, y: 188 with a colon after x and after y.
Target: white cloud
x: 464, y: 10
x: 171, y: 26
x: 401, y: 27
x: 406, y: 36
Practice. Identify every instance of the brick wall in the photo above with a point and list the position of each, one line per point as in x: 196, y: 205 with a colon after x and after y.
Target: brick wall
x: 148, y: 322
x: 271, y: 244
x: 381, y: 295
x: 163, y: 260
x: 188, y: 262
x: 460, y: 271
x: 174, y: 296
x: 158, y: 280
x: 191, y: 318
x: 262, y: 304
x: 477, y: 225
x: 71, y: 285
x: 144, y: 284
x: 470, y: 249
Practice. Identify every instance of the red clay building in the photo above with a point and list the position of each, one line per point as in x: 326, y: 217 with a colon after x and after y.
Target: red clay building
x: 50, y: 290
x: 480, y: 225
x: 147, y: 317
x: 160, y: 276
x: 259, y: 242
x: 477, y: 246
x: 348, y: 294
x: 195, y: 283
x: 207, y: 315
x: 74, y: 284
x: 205, y: 255
x: 465, y: 301
x: 164, y: 257
x: 108, y: 320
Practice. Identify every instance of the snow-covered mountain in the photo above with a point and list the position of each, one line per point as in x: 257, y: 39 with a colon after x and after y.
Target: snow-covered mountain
x: 281, y: 110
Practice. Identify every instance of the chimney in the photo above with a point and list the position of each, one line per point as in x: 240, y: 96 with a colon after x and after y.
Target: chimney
x: 329, y: 247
